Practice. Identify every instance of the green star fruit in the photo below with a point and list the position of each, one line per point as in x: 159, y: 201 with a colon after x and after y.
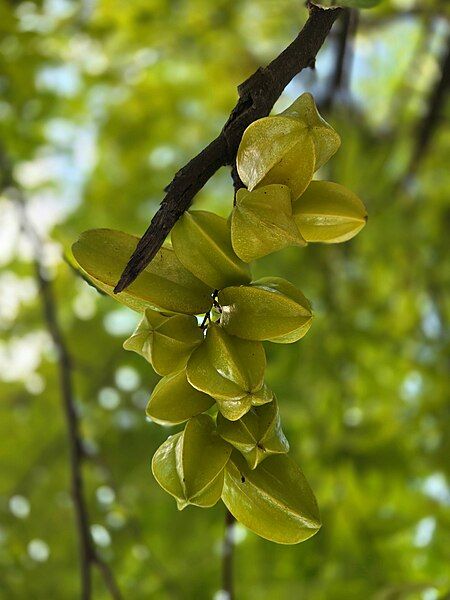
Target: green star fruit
x: 274, y: 500
x: 262, y: 222
x: 276, y: 150
x: 174, y: 400
x: 328, y: 212
x: 165, y: 341
x: 165, y: 285
x: 325, y: 139
x: 257, y: 435
x: 190, y: 465
x: 271, y: 309
x: 231, y: 370
x: 202, y: 242
x: 286, y: 148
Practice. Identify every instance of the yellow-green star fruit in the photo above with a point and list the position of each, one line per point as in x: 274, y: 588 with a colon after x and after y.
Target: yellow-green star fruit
x: 328, y: 212
x: 174, y: 400
x: 262, y: 222
x: 276, y: 150
x: 271, y: 309
x: 257, y: 435
x: 101, y: 254
x: 165, y: 341
x: 190, y: 464
x: 231, y: 370
x: 326, y: 140
x: 202, y: 242
x: 274, y: 500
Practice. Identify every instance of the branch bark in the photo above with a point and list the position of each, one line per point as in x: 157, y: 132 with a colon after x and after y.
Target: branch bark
x: 257, y: 95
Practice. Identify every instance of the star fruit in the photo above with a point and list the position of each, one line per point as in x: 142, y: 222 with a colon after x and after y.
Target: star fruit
x: 270, y: 309
x: 286, y: 148
x: 202, y: 242
x: 165, y: 284
x: 329, y: 212
x: 231, y: 370
x: 262, y: 223
x: 190, y: 465
x: 256, y: 435
x: 174, y: 400
x: 165, y: 341
x: 274, y: 500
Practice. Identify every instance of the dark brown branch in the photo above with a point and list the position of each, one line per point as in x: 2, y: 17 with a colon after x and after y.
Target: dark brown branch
x: 227, y: 556
x: 257, y: 95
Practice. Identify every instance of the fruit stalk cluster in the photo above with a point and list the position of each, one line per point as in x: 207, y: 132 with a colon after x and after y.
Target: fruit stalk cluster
x: 204, y: 321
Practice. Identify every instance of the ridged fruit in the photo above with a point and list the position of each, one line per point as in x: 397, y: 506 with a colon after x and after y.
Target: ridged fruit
x: 270, y: 309
x: 174, y: 400
x: 257, y: 435
x: 328, y: 212
x: 231, y: 370
x: 190, y: 465
x: 274, y: 500
x: 164, y: 284
x: 165, y: 341
x: 202, y: 242
x: 262, y: 222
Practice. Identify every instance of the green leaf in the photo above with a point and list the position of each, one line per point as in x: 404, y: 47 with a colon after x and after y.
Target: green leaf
x: 274, y: 500
x: 231, y: 370
x: 165, y: 341
x: 326, y: 140
x: 276, y: 150
x: 174, y: 400
x: 163, y: 285
x: 270, y: 309
x: 262, y: 222
x: 190, y: 465
x: 257, y: 434
x: 329, y: 212
x: 202, y: 242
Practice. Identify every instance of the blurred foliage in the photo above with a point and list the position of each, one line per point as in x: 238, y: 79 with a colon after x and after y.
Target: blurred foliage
x: 101, y: 102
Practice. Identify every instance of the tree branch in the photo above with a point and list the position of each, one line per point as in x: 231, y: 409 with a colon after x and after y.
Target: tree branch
x: 428, y: 125
x: 87, y: 551
x: 257, y: 95
x: 339, y: 83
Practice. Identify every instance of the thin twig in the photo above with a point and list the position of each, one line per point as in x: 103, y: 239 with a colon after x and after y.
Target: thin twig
x: 428, y: 124
x: 337, y: 79
x: 339, y: 82
x: 227, y: 556
x: 257, y: 95
x: 86, y: 546
x: 88, y: 554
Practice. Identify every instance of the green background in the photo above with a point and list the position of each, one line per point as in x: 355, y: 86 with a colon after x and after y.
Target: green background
x: 100, y: 103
